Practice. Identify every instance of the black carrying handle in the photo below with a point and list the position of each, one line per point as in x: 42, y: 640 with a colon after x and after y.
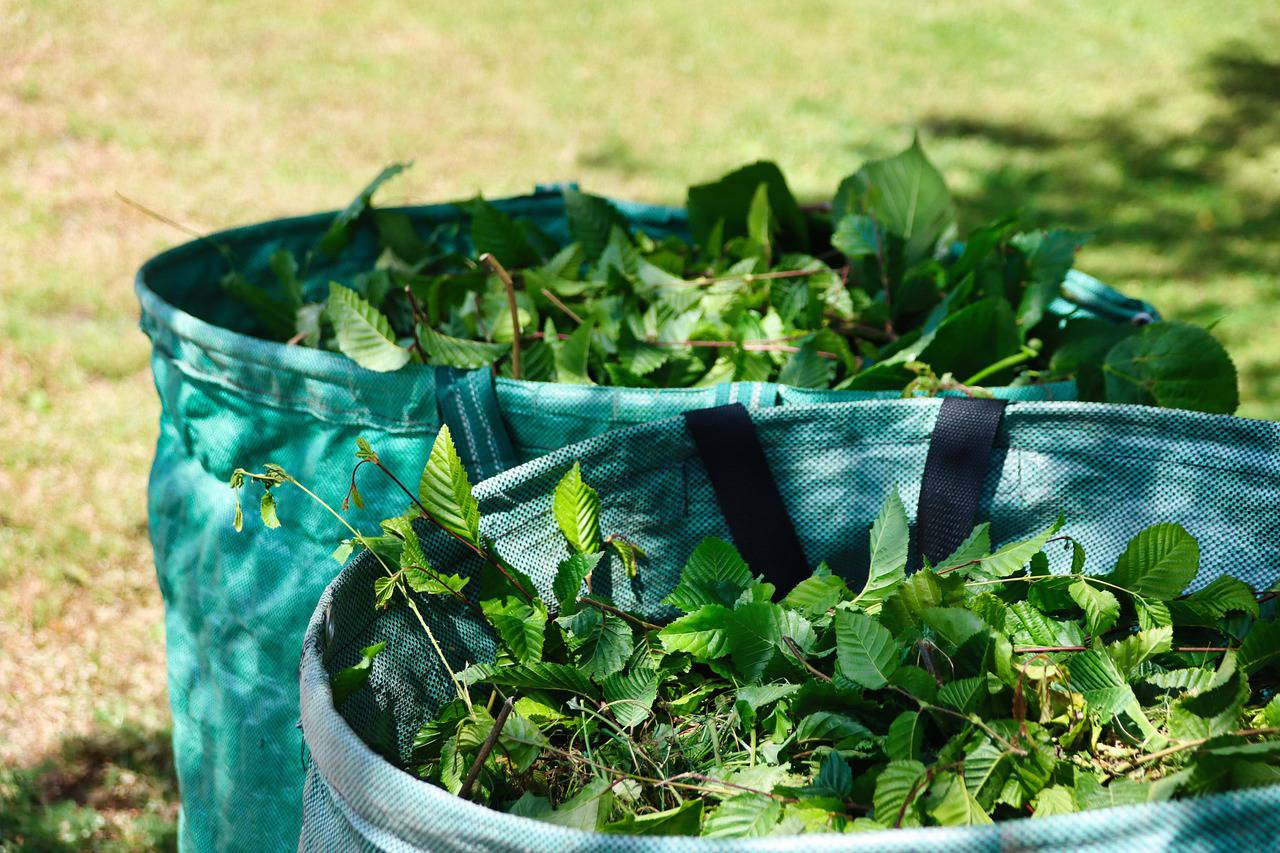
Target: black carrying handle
x: 748, y: 496
x: 954, y: 470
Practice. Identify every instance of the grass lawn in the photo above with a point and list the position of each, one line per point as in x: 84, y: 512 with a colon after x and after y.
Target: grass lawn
x: 1156, y: 124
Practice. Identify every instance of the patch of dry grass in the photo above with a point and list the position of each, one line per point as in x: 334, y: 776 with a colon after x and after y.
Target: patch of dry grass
x: 1155, y: 123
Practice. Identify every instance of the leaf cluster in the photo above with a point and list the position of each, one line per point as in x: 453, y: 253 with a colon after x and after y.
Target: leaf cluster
x: 1001, y: 682
x: 870, y: 292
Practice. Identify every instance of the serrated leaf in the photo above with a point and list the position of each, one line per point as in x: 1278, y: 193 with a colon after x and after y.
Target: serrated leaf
x: 907, y: 195
x: 1261, y: 648
x: 714, y: 574
x: 1028, y: 626
x: 631, y: 695
x: 384, y: 588
x: 898, y: 788
x: 1100, y: 607
x: 1190, y: 680
x: 743, y: 816
x: 753, y: 632
x: 1152, y: 613
x: 554, y: 677
x: 1013, y: 557
x: 591, y: 219
x: 1053, y: 801
x: 1214, y: 711
x: 576, y: 507
x: 906, y: 736
x: 446, y: 493
x: 1174, y: 365
x: 494, y: 232
x: 1206, y: 607
x: 830, y: 726
x: 1132, y: 651
x: 601, y: 640
x: 704, y: 633
x: 974, y: 547
x: 889, y: 537
x: 728, y: 200
x: 865, y: 651
x: 903, y: 609
x: 573, y: 355
x: 985, y: 770
x: 447, y: 351
x: 362, y: 332
x: 628, y: 552
x: 519, y: 624
x: 348, y: 680
x: 963, y: 694
x: 1158, y: 563
x: 685, y: 819
x: 957, y: 806
x: 570, y: 576
x: 855, y: 237
x: 817, y: 594
x: 1094, y: 675
x: 1049, y: 256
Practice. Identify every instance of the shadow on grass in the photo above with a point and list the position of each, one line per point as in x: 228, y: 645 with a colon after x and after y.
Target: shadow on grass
x: 1181, y: 196
x: 113, y: 789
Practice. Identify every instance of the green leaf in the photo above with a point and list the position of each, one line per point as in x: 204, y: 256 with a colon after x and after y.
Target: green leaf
x: 446, y: 493
x: 975, y: 546
x: 588, y: 810
x: 760, y: 221
x: 957, y: 807
x: 743, y: 816
x: 631, y: 695
x: 1014, y: 556
x: 898, y: 788
x: 907, y: 195
x: 519, y: 624
x: 855, y: 237
x: 714, y: 574
x: 602, y: 640
x: 835, y: 775
x: 685, y: 819
x: 704, y: 633
x: 348, y: 680
x: 363, y: 334
x: 494, y: 232
x: 1261, y: 648
x: 573, y: 355
x: 342, y: 230
x: 753, y: 632
x: 591, y: 219
x: 285, y: 268
x: 1206, y: 607
x: 441, y: 349
x: 384, y: 588
x: 628, y: 552
x: 728, y: 201
x: 1101, y: 608
x: 906, y: 736
x: 1053, y: 801
x: 865, y: 650
x: 963, y: 694
x: 1094, y: 675
x: 269, y: 517
x: 554, y: 677
x: 985, y: 771
x: 1214, y: 711
x: 1158, y: 563
x: 1132, y: 651
x: 570, y: 576
x: 973, y: 338
x: 904, y: 608
x: 576, y: 507
x: 889, y: 536
x: 817, y: 594
x: 806, y: 367
x: 830, y: 726
x: 1174, y: 365
x: 1049, y: 256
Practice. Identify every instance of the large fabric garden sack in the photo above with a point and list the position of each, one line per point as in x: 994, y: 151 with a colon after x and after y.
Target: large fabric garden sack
x: 1112, y: 470
x: 236, y: 604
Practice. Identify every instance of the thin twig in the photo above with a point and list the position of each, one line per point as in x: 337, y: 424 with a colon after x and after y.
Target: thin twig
x: 486, y: 748
x: 748, y: 278
x: 929, y: 706
x: 1028, y: 650
x: 501, y: 272
x: 799, y: 655
x: 555, y: 300
x: 1191, y: 744
x: 609, y: 608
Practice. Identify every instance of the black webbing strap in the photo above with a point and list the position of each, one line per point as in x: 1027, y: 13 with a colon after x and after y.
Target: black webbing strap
x: 959, y: 452
x: 748, y: 496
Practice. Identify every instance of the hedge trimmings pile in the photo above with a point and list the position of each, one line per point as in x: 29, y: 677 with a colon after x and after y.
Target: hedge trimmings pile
x: 1000, y: 683
x: 875, y: 294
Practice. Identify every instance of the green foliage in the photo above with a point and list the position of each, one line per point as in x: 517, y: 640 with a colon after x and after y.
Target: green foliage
x: 350, y: 679
x: 983, y: 690
x: 757, y: 295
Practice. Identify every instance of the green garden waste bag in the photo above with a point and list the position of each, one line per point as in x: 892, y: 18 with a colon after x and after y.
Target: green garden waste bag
x: 236, y: 605
x: 1111, y: 470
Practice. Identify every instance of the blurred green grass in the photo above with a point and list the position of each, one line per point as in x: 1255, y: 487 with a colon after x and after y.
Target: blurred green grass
x: 1155, y: 125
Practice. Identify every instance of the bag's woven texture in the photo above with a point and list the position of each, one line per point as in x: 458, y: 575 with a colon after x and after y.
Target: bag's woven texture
x: 236, y: 604
x: 1112, y: 470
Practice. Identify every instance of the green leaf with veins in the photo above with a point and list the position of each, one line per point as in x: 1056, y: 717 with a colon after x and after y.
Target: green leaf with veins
x: 714, y: 574
x: 363, y: 333
x: 1157, y: 563
x: 576, y: 507
x: 446, y: 492
x: 889, y: 536
x: 865, y: 650
x: 1172, y: 364
x: 348, y: 680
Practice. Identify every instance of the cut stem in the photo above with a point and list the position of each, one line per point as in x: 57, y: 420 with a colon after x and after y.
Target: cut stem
x: 486, y: 748
x: 501, y: 272
x: 555, y: 300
